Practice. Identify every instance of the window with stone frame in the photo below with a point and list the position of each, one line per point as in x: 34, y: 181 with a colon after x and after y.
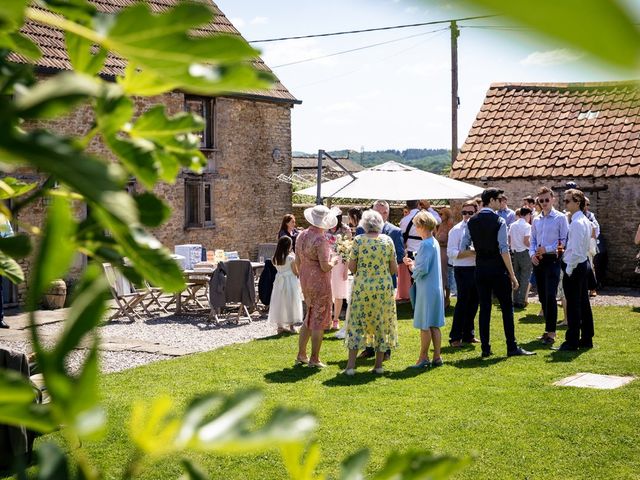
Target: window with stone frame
x: 198, y: 203
x: 206, y: 108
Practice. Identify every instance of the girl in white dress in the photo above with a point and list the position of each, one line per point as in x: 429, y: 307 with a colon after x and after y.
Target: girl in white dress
x: 285, y: 309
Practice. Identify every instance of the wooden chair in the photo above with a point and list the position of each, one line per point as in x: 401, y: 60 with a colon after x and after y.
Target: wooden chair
x: 127, y: 298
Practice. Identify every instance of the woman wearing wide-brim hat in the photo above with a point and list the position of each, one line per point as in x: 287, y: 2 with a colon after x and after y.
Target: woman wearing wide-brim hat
x: 315, y: 261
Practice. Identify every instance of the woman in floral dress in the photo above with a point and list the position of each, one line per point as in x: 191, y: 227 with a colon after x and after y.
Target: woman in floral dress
x: 315, y: 261
x: 372, y: 320
x: 339, y: 273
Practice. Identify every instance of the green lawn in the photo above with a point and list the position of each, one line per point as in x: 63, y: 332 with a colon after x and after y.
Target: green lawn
x: 504, y: 410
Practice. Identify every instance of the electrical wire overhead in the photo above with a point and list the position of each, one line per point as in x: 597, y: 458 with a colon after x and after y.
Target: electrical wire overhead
x: 393, y: 27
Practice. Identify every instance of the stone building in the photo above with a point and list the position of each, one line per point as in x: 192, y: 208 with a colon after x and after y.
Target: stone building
x: 529, y: 135
x: 237, y: 202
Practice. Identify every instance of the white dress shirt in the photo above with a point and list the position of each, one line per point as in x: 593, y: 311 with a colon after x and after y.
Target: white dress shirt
x: 578, y: 243
x: 453, y: 247
x: 517, y: 233
x: 414, y: 244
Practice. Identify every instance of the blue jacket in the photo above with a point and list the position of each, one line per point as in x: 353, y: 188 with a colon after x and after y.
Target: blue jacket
x: 395, y: 233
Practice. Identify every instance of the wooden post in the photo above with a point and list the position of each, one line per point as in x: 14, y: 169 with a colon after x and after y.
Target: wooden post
x: 455, y: 33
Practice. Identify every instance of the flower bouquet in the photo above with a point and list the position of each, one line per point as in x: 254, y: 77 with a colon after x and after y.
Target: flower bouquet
x: 343, y: 247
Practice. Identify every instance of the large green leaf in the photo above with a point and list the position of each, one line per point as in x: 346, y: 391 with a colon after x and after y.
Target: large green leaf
x: 154, y: 124
x: 353, y: 467
x: 21, y: 44
x: 18, y: 246
x: 600, y: 27
x: 74, y: 9
x: 86, y: 311
x: 101, y: 183
x: 56, y: 249
x: 17, y: 404
x: 420, y: 465
x: 153, y: 211
x: 113, y: 112
x: 9, y: 268
x: 12, y: 14
x: 82, y: 55
x: 58, y: 95
x: 12, y: 187
x: 137, y: 156
x: 52, y: 462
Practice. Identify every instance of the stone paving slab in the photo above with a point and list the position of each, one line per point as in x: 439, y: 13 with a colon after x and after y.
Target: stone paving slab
x: 594, y: 380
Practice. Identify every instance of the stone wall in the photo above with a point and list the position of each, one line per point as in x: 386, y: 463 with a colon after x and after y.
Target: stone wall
x: 617, y: 209
x: 248, y: 200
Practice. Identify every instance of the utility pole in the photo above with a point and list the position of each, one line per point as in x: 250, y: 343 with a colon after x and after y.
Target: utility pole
x: 319, y: 178
x: 455, y: 33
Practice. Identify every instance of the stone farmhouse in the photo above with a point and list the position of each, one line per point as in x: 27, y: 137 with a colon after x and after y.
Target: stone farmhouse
x: 529, y: 135
x: 237, y: 202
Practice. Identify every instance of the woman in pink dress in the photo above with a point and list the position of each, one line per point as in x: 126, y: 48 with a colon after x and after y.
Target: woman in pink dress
x: 315, y: 261
x: 442, y: 236
x: 339, y: 273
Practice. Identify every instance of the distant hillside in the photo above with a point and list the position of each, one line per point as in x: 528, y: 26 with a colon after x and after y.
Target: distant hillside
x: 431, y: 160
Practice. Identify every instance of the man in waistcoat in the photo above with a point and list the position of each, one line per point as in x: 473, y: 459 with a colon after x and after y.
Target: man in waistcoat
x: 494, y: 272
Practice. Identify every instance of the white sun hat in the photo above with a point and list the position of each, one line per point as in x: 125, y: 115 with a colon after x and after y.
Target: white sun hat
x: 322, y: 217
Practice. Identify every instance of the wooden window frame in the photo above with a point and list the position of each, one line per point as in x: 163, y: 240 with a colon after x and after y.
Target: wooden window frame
x: 209, y: 115
x: 203, y: 217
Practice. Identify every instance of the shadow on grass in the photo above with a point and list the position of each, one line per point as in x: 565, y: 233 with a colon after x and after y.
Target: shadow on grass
x: 407, y: 373
x: 360, y: 378
x: 477, y: 362
x: 531, y: 318
x: 466, y: 347
x: 635, y: 309
x: 291, y: 374
x: 534, y: 346
x: 564, y: 357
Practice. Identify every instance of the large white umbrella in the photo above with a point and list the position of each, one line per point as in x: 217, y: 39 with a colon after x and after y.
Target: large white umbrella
x: 397, y: 182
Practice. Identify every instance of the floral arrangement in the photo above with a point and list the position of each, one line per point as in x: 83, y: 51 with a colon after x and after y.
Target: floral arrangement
x: 343, y: 247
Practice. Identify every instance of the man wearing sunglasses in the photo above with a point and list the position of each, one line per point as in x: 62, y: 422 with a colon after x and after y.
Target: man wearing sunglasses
x: 575, y: 266
x: 548, y: 238
x: 464, y: 271
x: 494, y: 272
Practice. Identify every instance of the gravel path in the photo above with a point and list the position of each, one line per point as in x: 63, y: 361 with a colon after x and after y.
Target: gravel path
x: 187, y: 333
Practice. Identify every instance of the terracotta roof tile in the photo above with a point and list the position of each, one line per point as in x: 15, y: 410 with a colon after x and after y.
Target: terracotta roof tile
x: 51, y: 42
x: 557, y: 128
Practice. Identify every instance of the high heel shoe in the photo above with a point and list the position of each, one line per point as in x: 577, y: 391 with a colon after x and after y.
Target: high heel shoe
x: 350, y: 372
x: 301, y: 361
x: 421, y: 364
x: 377, y: 371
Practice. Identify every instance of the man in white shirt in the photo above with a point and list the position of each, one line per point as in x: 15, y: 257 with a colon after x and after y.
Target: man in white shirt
x: 464, y: 270
x: 519, y: 242
x: 409, y: 233
x: 574, y: 264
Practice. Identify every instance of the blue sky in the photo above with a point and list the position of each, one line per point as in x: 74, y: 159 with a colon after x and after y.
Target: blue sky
x: 397, y: 95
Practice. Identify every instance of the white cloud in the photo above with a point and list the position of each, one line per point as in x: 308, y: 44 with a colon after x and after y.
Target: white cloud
x: 237, y: 22
x: 423, y: 69
x: 369, y: 94
x: 551, y: 57
x: 411, y: 10
x: 293, y: 51
x: 340, y: 107
x: 259, y: 21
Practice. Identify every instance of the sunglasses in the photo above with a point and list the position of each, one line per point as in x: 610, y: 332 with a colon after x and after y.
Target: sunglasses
x: 544, y: 200
x: 569, y: 200
x: 467, y: 212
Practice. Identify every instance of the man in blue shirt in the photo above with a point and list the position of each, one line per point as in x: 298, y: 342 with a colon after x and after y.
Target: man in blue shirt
x: 548, y: 239
x: 494, y: 272
x: 508, y: 215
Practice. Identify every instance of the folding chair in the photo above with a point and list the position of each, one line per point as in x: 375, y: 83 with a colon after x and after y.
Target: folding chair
x: 126, y: 298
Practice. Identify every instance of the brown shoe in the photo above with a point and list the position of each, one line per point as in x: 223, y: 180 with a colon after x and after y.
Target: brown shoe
x: 456, y: 343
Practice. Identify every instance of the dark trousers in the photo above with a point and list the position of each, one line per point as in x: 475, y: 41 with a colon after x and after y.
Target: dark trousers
x: 579, y: 316
x: 466, y: 305
x: 547, y: 274
x: 495, y: 280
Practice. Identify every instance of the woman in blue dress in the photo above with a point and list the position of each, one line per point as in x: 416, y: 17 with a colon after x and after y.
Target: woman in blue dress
x: 428, y: 312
